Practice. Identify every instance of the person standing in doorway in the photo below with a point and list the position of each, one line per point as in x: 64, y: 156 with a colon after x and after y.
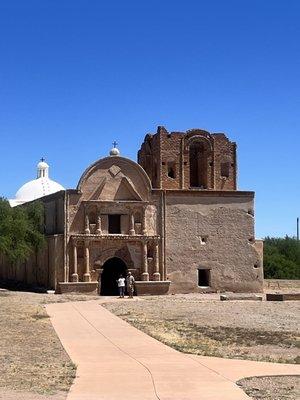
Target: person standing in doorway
x: 130, y: 284
x: 121, y: 286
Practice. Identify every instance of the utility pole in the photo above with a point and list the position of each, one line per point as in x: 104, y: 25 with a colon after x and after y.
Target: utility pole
x: 298, y: 229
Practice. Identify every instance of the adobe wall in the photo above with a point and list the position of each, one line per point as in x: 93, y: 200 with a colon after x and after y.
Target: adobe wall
x: 42, y: 269
x: 213, y: 230
x: 54, y: 212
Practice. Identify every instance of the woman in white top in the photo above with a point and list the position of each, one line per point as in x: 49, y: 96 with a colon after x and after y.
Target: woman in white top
x: 121, y: 286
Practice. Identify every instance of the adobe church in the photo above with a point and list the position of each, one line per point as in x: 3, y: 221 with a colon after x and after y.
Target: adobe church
x: 175, y: 220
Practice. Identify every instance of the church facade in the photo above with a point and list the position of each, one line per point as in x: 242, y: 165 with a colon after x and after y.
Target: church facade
x: 175, y: 220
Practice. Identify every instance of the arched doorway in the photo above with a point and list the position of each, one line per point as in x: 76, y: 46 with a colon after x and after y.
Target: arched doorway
x: 112, y: 269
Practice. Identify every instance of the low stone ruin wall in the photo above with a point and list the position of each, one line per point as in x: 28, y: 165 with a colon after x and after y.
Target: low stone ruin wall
x: 282, y: 284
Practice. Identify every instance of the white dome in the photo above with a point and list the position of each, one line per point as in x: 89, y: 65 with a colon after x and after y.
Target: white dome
x: 37, y: 188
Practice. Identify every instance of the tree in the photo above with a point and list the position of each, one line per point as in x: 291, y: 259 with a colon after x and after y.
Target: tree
x: 21, y: 230
x: 282, y: 258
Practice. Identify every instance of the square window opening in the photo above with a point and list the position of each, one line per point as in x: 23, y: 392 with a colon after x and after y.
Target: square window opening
x: 203, y: 277
x: 114, y: 223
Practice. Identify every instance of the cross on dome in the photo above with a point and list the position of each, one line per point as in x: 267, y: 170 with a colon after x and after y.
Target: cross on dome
x: 114, y: 151
x: 42, y: 169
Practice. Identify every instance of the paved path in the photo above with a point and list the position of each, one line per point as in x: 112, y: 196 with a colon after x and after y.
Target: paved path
x: 116, y: 361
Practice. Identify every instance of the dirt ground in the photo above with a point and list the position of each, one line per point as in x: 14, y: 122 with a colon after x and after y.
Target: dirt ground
x: 201, y: 324
x: 254, y: 330
x: 33, y: 363
x: 7, y: 394
x: 272, y: 388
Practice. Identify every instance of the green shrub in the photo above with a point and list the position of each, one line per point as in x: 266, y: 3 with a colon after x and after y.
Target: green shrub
x: 281, y: 258
x: 21, y: 230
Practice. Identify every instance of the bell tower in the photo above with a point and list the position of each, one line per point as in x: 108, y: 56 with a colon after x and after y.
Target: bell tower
x: 191, y: 160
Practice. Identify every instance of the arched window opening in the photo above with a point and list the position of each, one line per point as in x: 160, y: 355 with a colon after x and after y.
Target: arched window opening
x: 150, y: 252
x: 138, y: 223
x: 199, y: 153
x: 171, y: 170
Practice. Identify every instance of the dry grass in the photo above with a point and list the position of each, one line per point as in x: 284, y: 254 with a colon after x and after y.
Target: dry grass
x: 237, y: 329
x: 31, y: 355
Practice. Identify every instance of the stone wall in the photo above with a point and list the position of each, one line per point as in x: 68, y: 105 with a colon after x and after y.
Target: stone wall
x: 212, y: 231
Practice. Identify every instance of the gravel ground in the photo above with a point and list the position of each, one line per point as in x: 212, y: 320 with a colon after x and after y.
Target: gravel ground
x: 34, y: 365
x: 255, y: 330
x: 272, y: 387
x: 201, y: 324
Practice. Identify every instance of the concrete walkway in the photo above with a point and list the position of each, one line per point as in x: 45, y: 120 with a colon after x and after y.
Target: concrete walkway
x: 116, y: 361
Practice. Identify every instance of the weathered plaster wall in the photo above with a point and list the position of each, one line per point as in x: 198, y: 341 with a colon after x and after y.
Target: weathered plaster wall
x: 54, y: 213
x: 42, y: 269
x: 211, y: 231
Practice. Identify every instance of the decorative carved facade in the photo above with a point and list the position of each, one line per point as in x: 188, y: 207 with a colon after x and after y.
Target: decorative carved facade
x: 175, y: 220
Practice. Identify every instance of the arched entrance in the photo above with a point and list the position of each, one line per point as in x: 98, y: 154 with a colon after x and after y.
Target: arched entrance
x: 112, y: 269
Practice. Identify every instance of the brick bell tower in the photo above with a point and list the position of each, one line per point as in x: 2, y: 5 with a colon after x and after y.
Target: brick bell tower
x: 191, y: 160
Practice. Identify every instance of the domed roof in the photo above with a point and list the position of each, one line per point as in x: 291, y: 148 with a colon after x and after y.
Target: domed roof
x: 37, y: 188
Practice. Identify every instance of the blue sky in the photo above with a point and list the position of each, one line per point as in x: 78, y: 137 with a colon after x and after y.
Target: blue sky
x: 75, y: 75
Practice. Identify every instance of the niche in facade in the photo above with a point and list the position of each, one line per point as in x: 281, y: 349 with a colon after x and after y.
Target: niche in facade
x: 199, y: 164
x: 171, y: 169
x: 138, y: 223
x: 225, y: 169
x: 114, y: 224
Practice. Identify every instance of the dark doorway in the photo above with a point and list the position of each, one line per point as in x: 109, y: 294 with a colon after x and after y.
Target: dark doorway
x: 203, y: 277
x: 112, y: 269
x: 114, y: 223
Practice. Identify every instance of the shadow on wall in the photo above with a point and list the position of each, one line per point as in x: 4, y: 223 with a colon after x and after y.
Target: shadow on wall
x: 21, y: 287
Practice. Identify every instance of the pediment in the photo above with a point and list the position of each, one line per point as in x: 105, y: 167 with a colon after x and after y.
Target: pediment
x: 126, y: 191
x: 118, y: 187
